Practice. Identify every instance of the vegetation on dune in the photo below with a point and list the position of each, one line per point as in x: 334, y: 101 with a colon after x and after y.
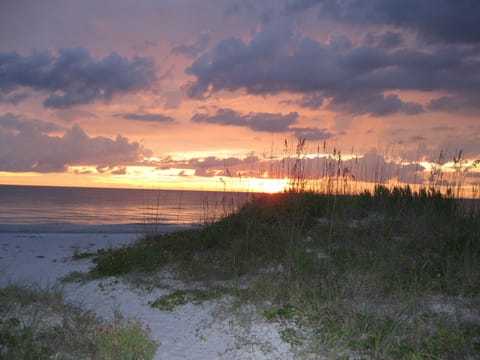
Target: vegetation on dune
x: 37, y: 324
x: 389, y: 274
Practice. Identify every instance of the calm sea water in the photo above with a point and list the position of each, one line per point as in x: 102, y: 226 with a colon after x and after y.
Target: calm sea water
x: 66, y: 209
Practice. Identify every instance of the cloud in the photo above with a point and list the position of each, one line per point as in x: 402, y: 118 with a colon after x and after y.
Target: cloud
x: 10, y: 123
x: 374, y: 104
x: 121, y: 170
x: 211, y: 165
x: 116, y: 170
x: 237, y: 7
x: 443, y: 128
x: 13, y: 98
x: 29, y: 146
x: 147, y: 117
x: 144, y: 45
x: 310, y: 101
x: 215, y: 166
x: 434, y: 20
x: 445, y: 103
x: 265, y: 122
x: 358, y: 79
x: 371, y: 167
x: 294, y: 6
x: 417, y: 138
x: 258, y: 11
x: 193, y: 49
x: 72, y: 77
x: 387, y: 40
x: 229, y: 64
x: 73, y: 114
x: 466, y: 143
x: 311, y: 134
x: 390, y: 40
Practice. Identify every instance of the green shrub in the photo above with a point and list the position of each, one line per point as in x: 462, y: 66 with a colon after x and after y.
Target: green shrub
x: 125, y: 340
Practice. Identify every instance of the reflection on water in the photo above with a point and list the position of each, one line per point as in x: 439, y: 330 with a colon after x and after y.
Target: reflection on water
x: 88, y: 206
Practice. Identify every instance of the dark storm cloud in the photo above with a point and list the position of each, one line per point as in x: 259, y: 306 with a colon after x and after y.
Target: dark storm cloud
x: 358, y: 79
x: 451, y: 21
x: 255, y: 121
x: 193, y: 49
x: 28, y: 146
x: 72, y: 77
x: 147, y: 117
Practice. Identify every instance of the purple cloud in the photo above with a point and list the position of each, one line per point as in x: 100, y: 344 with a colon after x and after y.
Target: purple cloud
x: 255, y: 121
x: 72, y: 77
x: 434, y: 20
x: 354, y: 77
x: 29, y: 146
x: 193, y: 49
x: 147, y: 117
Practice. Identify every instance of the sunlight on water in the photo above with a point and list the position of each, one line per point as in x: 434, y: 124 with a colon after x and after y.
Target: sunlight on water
x: 27, y: 205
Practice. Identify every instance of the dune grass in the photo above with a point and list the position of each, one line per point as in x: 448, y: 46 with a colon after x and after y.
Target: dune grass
x: 389, y: 274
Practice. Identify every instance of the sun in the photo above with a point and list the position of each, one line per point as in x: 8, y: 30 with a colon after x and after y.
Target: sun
x: 265, y: 185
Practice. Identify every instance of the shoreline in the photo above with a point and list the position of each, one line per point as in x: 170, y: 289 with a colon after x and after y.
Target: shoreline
x: 73, y: 228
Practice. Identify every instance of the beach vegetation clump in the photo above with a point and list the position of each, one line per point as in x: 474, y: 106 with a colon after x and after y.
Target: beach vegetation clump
x: 36, y: 323
x: 150, y: 253
x: 182, y: 297
x: 125, y: 339
x: 392, y: 273
x: 79, y: 255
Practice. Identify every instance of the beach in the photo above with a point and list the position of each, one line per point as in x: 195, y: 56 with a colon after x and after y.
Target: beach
x: 191, y: 331
x: 288, y: 276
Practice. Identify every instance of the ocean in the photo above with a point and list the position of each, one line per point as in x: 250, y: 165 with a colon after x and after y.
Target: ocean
x: 69, y: 209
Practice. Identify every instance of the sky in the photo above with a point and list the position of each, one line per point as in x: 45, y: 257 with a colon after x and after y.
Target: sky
x: 239, y: 94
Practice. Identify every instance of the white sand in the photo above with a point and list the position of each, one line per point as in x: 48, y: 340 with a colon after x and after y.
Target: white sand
x: 188, y: 332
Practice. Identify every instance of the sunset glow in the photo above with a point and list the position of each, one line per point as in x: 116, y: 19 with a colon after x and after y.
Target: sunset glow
x: 218, y: 95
